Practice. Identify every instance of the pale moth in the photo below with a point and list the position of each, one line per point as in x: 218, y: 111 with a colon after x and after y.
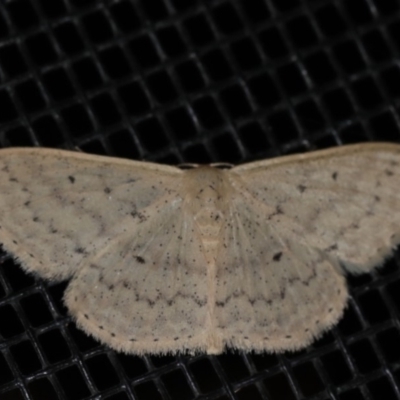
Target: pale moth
x: 166, y: 260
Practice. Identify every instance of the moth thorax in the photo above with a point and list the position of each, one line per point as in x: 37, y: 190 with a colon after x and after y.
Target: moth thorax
x: 209, y: 221
x: 208, y: 188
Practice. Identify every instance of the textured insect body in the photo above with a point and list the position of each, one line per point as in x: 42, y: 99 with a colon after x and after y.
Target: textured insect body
x: 207, y: 189
x: 168, y: 260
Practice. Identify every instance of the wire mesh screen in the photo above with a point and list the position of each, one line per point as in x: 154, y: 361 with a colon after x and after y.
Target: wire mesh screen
x: 178, y: 81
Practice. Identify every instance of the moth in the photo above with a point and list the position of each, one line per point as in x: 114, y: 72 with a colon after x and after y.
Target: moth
x: 165, y: 260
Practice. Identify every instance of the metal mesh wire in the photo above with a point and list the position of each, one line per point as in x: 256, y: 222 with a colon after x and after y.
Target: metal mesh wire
x: 198, y: 81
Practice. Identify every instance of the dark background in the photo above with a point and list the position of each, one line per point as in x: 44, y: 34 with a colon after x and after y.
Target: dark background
x: 198, y: 81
